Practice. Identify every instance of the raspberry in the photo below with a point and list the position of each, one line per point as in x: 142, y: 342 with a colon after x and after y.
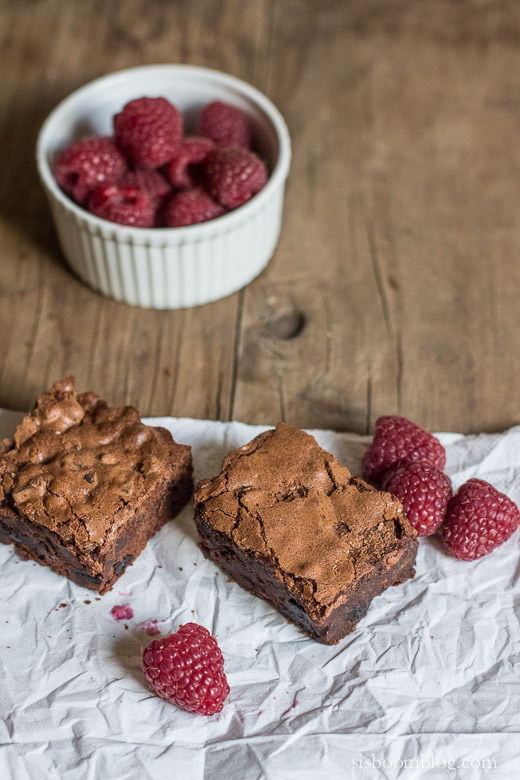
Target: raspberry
x: 225, y: 124
x: 193, y: 151
x: 395, y: 439
x: 86, y: 164
x: 149, y: 131
x: 234, y: 175
x: 151, y: 182
x: 124, y: 205
x: 424, y: 492
x: 189, y: 207
x: 187, y: 669
x: 479, y: 519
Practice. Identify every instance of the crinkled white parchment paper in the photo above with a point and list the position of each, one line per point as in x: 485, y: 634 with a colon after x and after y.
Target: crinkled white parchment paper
x: 427, y: 686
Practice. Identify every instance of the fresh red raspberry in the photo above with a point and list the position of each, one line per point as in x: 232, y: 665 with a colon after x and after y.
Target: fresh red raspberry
x: 189, y: 207
x: 479, y: 519
x: 193, y: 151
x: 395, y: 439
x: 87, y: 163
x: 234, y: 175
x: 187, y: 669
x: 124, y: 205
x: 424, y: 492
x: 152, y: 182
x: 149, y: 131
x: 225, y: 124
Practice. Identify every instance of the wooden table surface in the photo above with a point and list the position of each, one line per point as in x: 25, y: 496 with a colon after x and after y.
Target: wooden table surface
x: 395, y: 285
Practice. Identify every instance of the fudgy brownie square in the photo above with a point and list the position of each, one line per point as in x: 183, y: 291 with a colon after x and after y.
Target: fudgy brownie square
x: 289, y: 523
x: 84, y: 486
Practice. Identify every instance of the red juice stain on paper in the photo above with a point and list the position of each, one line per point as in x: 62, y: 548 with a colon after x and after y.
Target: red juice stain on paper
x: 151, y: 627
x: 122, y: 612
x: 293, y: 705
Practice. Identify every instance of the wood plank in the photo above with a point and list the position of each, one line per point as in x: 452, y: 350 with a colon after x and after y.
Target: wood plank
x: 395, y: 284
x: 401, y: 227
x: 164, y: 362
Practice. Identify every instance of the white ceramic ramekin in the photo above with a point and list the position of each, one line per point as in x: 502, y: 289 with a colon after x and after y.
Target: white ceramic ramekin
x: 167, y: 268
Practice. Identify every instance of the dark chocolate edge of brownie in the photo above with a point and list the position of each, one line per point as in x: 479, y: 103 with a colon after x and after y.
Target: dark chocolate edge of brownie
x: 170, y: 503
x: 174, y: 496
x: 261, y: 581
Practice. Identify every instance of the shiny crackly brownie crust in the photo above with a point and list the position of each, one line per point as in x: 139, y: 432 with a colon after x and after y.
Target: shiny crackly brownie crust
x: 84, y: 486
x: 289, y: 523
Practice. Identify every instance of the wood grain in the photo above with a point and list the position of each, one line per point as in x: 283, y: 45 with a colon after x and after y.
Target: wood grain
x: 395, y: 285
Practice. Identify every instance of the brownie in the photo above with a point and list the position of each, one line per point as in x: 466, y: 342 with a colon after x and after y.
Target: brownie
x: 84, y: 486
x: 289, y: 523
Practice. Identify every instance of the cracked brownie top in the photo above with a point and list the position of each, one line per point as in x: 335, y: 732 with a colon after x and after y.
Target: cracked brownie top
x: 285, y: 498
x: 81, y: 468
